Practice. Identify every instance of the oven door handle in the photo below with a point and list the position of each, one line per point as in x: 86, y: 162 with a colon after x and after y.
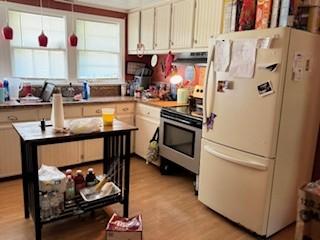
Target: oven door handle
x: 242, y: 162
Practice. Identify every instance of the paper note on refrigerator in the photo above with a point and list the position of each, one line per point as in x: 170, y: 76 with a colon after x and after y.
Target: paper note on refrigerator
x: 222, y: 55
x: 243, y: 58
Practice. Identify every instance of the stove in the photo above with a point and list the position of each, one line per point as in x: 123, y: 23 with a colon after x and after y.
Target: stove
x: 179, y: 139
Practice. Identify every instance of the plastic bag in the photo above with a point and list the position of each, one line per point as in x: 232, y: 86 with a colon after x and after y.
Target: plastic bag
x: 85, y: 125
x: 51, y: 179
x: 153, y: 148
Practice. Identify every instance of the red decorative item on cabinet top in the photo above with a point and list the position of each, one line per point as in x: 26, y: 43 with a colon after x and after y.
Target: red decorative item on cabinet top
x: 7, y: 32
x: 43, y: 40
x: 73, y: 40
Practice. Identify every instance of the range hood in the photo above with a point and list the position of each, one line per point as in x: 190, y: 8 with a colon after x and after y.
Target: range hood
x: 194, y: 58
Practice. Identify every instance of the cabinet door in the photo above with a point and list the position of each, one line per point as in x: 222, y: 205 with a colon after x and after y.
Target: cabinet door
x: 182, y: 24
x: 147, y: 28
x: 162, y: 27
x: 10, y: 159
x: 207, y: 21
x: 133, y: 30
x: 147, y: 127
x: 92, y: 150
x: 61, y: 154
x: 130, y: 120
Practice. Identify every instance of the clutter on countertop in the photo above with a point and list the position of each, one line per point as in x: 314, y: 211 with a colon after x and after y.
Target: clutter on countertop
x: 120, y: 228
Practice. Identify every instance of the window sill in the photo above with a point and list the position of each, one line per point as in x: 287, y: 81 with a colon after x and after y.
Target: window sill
x: 61, y: 83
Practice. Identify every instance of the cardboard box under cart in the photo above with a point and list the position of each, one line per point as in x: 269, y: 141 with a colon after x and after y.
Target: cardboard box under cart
x: 308, y: 218
x: 120, y: 228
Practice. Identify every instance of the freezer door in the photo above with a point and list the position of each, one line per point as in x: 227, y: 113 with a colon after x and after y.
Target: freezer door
x: 236, y: 185
x: 246, y: 120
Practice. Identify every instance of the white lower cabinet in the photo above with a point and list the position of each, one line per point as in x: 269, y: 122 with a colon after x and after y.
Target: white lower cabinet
x: 10, y: 159
x: 60, y: 154
x: 130, y: 120
x: 147, y: 127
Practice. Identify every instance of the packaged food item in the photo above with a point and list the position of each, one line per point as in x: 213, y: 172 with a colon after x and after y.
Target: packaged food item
x: 263, y: 13
x: 308, y: 214
x: 120, y: 228
x: 51, y: 179
x: 79, y: 181
x: 91, y: 178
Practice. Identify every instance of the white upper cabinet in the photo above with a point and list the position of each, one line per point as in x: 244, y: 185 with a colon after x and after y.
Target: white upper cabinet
x: 162, y: 27
x: 182, y: 24
x: 147, y: 28
x: 207, y: 21
x: 133, y: 30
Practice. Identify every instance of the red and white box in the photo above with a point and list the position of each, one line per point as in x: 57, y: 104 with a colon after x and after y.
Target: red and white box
x: 120, y: 228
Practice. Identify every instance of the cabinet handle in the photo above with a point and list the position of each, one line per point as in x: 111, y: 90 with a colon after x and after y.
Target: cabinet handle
x: 148, y: 113
x: 98, y: 111
x: 125, y: 109
x: 155, y: 45
x: 195, y: 41
x: 12, y: 118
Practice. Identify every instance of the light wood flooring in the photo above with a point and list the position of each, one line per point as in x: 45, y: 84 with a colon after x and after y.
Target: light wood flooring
x: 169, y: 208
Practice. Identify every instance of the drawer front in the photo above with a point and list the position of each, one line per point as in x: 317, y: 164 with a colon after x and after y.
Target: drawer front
x: 69, y: 112
x: 148, y: 111
x: 95, y: 110
x: 124, y: 108
x: 18, y: 116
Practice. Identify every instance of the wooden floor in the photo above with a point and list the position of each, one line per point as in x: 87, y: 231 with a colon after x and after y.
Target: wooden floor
x: 169, y: 208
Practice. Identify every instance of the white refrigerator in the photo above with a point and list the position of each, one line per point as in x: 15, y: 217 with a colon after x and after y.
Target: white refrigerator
x: 261, y: 147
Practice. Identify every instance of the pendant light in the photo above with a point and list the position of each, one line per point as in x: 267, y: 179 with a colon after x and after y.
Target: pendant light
x: 7, y: 31
x: 73, y: 39
x: 42, y: 39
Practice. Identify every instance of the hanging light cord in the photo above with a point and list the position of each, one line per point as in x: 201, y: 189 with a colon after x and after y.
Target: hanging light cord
x: 72, y: 16
x: 41, y: 11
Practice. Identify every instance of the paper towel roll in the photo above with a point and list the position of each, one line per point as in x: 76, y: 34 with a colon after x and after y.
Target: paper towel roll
x: 57, y: 114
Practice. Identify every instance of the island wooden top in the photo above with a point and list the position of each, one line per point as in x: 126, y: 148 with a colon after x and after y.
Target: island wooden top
x: 31, y: 132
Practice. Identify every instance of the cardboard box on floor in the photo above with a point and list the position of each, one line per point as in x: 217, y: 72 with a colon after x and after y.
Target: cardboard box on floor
x: 308, y: 218
x: 120, y: 228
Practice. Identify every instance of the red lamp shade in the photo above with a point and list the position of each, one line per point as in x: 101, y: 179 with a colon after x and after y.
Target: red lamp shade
x: 7, y: 32
x: 43, y: 40
x: 73, y: 40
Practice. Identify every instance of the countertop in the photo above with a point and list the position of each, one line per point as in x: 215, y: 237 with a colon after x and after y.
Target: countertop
x: 94, y: 100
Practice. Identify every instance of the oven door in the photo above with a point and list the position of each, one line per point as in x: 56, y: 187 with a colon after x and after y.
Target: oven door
x: 180, y: 143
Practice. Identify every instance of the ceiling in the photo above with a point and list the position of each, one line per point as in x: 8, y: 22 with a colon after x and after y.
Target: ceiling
x: 124, y: 5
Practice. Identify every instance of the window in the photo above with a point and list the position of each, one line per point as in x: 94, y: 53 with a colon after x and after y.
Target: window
x: 28, y: 59
x: 98, y: 51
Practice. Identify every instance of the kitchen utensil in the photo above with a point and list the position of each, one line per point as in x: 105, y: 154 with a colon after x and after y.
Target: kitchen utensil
x: 154, y: 60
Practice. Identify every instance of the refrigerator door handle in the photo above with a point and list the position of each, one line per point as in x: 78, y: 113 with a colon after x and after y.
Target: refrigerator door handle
x: 207, y: 106
x: 250, y: 164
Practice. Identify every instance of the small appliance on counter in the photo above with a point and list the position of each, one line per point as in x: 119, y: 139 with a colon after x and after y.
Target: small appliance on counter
x: 196, y: 101
x: 142, y: 78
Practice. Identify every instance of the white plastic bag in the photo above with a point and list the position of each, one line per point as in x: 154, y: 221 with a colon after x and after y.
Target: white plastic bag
x: 51, y: 179
x: 85, y: 125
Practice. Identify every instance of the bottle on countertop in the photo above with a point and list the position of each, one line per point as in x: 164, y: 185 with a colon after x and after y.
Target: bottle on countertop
x: 79, y: 181
x: 86, y: 90
x: 69, y: 172
x: 6, y: 90
x: 91, y: 178
x: 70, y: 189
x: 1, y: 93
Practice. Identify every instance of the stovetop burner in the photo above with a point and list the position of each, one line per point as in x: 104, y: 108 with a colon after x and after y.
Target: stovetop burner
x: 183, y: 114
x: 185, y: 110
